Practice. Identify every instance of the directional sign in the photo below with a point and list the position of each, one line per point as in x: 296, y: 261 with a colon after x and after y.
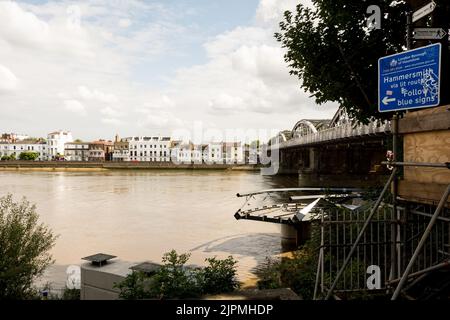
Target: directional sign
x: 429, y: 33
x: 424, y: 11
x: 410, y: 79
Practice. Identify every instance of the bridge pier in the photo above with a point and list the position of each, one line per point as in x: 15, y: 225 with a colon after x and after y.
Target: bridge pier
x: 293, y: 236
x: 342, y: 164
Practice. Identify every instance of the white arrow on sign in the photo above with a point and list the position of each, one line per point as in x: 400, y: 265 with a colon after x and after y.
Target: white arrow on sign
x: 429, y: 33
x: 386, y: 100
x: 424, y: 11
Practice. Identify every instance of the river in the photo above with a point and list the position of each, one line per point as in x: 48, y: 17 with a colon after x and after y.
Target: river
x: 140, y: 215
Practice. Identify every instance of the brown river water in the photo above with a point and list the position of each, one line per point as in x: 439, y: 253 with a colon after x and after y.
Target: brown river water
x: 140, y: 215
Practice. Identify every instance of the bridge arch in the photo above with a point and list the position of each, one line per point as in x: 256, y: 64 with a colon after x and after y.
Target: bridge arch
x: 340, y: 117
x: 281, y: 137
x: 305, y: 127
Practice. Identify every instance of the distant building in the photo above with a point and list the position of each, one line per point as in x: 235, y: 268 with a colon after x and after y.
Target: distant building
x: 121, y: 150
x: 56, y: 143
x: 100, y: 150
x: 30, y: 145
x: 233, y: 153
x: 252, y: 153
x: 13, y: 137
x: 152, y: 149
x: 213, y: 153
x: 186, y: 153
x: 76, y: 151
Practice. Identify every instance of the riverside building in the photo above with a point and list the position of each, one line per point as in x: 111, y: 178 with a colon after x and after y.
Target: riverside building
x: 151, y: 149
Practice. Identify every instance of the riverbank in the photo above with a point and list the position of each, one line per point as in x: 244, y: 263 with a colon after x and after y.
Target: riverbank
x: 104, y: 166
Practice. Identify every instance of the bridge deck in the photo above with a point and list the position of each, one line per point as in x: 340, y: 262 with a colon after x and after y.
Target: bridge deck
x: 342, y: 132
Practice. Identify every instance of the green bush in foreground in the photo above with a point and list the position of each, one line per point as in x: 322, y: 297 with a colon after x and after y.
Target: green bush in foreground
x: 174, y: 280
x: 297, y: 273
x: 24, y: 248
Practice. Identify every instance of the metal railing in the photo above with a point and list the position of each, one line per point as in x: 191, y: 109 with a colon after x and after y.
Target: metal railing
x: 417, y: 244
x: 345, y: 131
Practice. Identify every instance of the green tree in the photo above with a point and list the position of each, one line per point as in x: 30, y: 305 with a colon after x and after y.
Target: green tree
x: 219, y: 276
x: 28, y: 155
x: 334, y: 54
x: 24, y: 248
x: 175, y: 280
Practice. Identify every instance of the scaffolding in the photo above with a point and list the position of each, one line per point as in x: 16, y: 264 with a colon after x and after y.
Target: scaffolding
x: 405, y: 242
x: 386, y: 246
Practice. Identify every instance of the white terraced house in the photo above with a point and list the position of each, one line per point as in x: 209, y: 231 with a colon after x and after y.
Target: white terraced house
x: 151, y: 149
x: 16, y: 148
x: 56, y: 143
x: 187, y: 153
x: 233, y: 153
x: 213, y: 153
x: 76, y: 151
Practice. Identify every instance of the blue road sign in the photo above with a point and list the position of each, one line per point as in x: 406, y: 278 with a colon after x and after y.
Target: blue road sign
x: 410, y: 79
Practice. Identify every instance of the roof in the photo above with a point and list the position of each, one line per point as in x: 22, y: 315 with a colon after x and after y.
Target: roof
x: 99, y: 258
x: 109, y: 142
x: 146, y: 267
x: 60, y: 132
x: 76, y: 142
x: 231, y: 144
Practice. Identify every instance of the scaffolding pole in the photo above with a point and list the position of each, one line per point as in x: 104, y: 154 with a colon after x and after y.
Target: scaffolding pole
x: 363, y: 229
x: 433, y: 219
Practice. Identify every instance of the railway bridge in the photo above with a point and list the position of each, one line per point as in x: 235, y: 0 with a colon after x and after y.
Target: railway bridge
x: 333, y: 152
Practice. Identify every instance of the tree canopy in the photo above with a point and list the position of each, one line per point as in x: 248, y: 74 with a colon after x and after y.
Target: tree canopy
x: 28, y: 155
x: 24, y: 248
x: 334, y: 54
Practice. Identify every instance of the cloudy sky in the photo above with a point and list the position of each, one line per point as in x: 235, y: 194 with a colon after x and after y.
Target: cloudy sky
x: 132, y: 67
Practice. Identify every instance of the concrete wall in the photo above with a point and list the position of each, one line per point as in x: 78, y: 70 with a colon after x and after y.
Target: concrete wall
x: 117, y: 165
x: 97, y: 283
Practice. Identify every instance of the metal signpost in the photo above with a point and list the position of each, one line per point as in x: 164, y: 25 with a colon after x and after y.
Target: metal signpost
x: 429, y: 33
x: 424, y: 11
x: 410, y: 79
x: 406, y: 80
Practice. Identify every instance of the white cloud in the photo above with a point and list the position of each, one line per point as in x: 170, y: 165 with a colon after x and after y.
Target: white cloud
x: 112, y: 121
x: 160, y: 119
x: 108, y: 111
x: 124, y: 23
x: 96, y: 95
x: 247, y: 78
x: 95, y: 57
x: 75, y: 107
x: 8, y: 80
x: 227, y: 103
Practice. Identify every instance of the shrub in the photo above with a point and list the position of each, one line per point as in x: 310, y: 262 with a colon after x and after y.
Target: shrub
x: 28, y: 155
x: 175, y: 280
x: 24, y: 248
x: 297, y: 272
x: 71, y: 294
x: 219, y: 276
